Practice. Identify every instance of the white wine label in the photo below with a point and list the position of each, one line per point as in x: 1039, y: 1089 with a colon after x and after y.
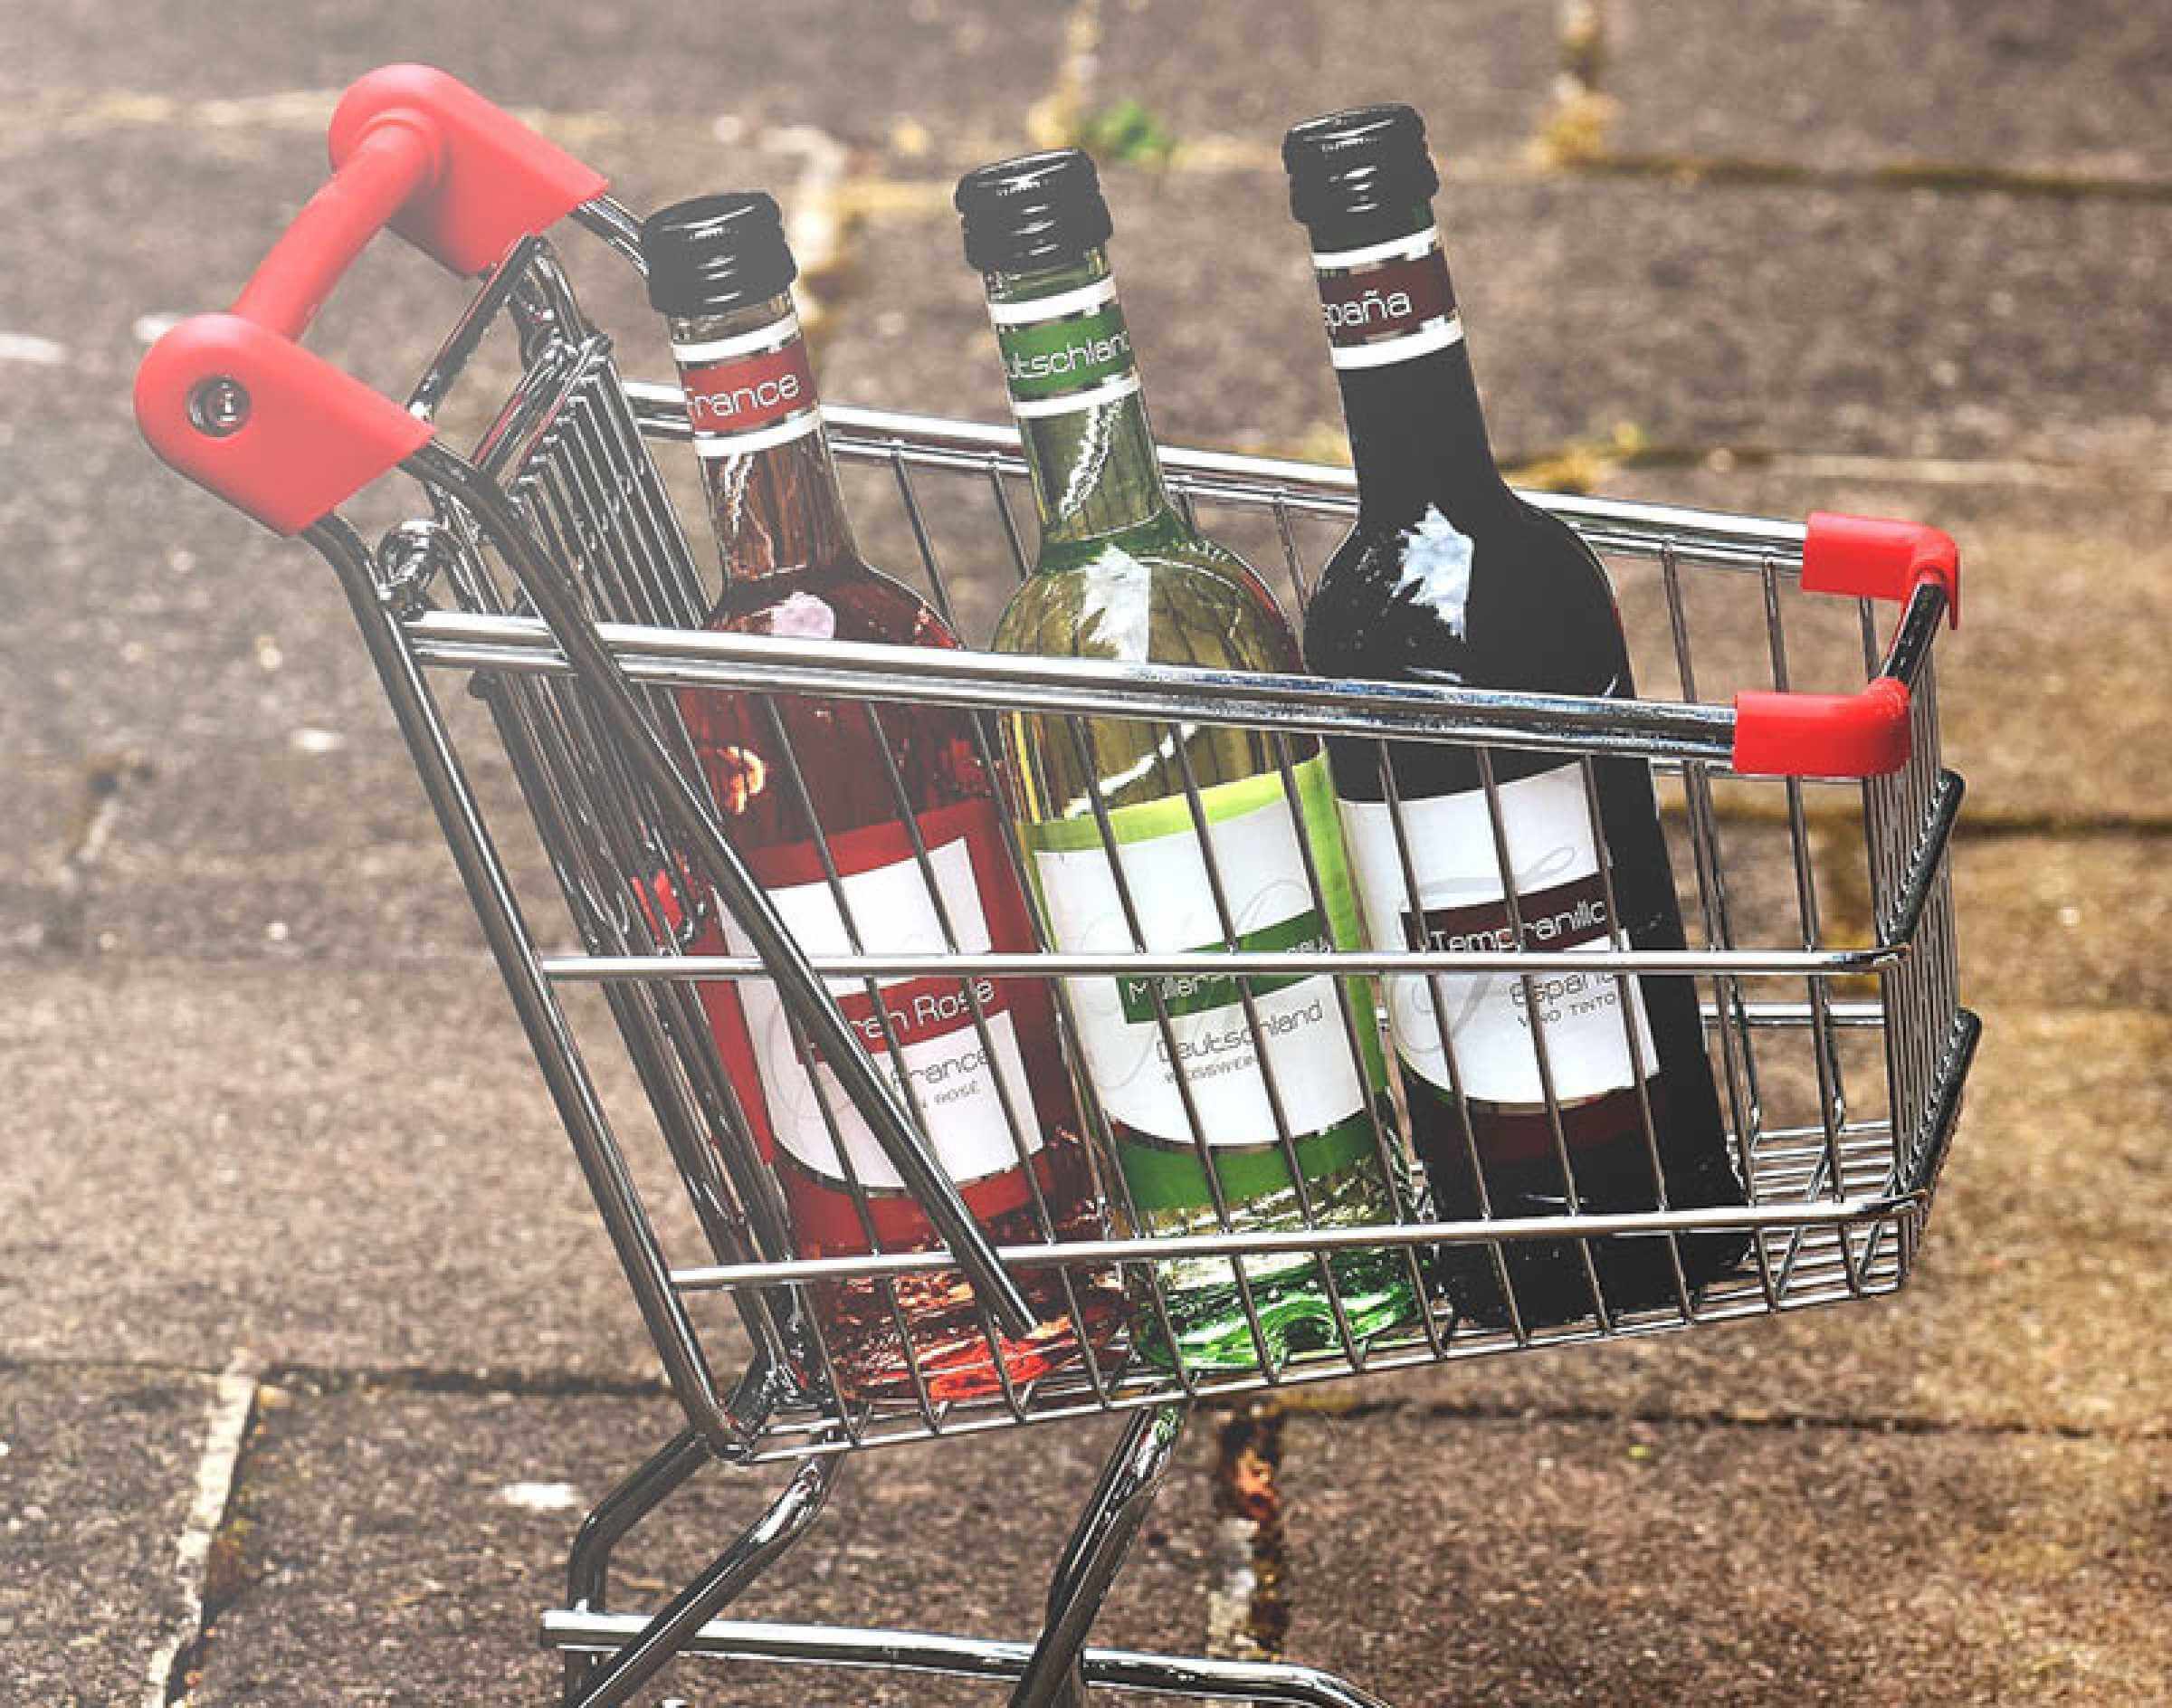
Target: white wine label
x: 952, y: 1079
x: 749, y: 392
x: 1387, y: 302
x: 1562, y: 900
x: 1253, y: 837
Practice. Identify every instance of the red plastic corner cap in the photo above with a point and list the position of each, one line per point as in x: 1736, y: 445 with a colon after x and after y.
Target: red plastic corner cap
x: 1862, y: 734
x: 499, y: 181
x: 1870, y: 557
x: 300, y: 437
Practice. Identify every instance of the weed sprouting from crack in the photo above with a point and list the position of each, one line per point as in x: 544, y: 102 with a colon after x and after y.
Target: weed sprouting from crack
x: 1248, y: 1610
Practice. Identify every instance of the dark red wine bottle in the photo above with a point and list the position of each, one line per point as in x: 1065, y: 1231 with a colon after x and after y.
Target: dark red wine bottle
x: 891, y: 808
x: 1449, y: 577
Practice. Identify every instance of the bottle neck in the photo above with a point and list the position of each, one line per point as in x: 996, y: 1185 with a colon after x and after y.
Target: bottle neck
x: 1074, y: 389
x: 1417, y: 433
x: 766, y: 466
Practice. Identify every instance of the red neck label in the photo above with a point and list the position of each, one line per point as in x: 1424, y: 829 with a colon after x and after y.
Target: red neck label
x: 749, y: 392
x: 1388, y: 302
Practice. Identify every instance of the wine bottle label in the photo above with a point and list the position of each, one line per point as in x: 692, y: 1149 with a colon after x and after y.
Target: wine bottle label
x: 1066, y: 352
x: 1209, y: 1052
x: 948, y: 1076
x: 1388, y: 302
x: 750, y: 391
x: 1561, y: 898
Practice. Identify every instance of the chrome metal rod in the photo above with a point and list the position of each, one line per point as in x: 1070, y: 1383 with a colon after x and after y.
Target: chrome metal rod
x: 973, y: 1658
x: 606, y: 1525
x: 1921, y: 881
x: 1909, y: 649
x: 1704, y: 537
x: 655, y: 1642
x: 1095, y: 1552
x: 1094, y: 687
x: 617, y: 224
x: 1793, y: 963
x: 1946, y: 1111
x: 810, y: 1001
x: 1585, y: 1225
x: 549, y: 1036
x: 589, y: 1565
x: 1854, y: 1015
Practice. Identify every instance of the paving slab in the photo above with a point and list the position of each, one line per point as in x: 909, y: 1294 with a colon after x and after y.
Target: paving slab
x: 1481, y: 74
x: 97, y: 1473
x: 2070, y: 922
x: 401, y: 1545
x: 259, y: 851
x: 949, y: 65
x: 1514, y: 1561
x: 1999, y: 84
x: 354, y: 1170
x: 2035, y: 1302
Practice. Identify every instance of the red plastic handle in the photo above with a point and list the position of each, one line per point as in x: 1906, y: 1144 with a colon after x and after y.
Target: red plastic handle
x: 1872, y: 557
x: 230, y: 401
x: 1863, y: 734
x: 497, y: 181
x: 1866, y: 733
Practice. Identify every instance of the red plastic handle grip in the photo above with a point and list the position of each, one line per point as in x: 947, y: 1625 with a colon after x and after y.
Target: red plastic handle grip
x: 1871, y: 558
x: 497, y: 180
x: 232, y: 402
x: 1863, y: 734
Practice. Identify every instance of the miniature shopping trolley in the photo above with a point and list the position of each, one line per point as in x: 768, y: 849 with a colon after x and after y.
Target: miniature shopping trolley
x: 548, y: 574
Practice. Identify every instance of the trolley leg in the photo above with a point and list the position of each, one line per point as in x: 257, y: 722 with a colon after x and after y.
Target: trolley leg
x: 758, y: 1548
x: 1053, y: 1677
x: 588, y: 1568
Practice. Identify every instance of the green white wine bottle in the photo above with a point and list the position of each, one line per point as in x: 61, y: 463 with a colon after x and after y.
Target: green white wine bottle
x: 1213, y: 1087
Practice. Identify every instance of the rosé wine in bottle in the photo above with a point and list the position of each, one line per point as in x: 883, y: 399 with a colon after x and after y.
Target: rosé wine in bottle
x: 874, y: 829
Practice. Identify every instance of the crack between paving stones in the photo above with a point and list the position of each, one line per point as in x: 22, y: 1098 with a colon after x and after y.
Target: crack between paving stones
x: 1058, y: 117
x: 1784, y: 1422
x: 1574, y: 127
x: 215, y: 1549
x: 207, y: 1553
x: 1212, y: 155
x: 319, y: 1379
x: 335, y: 1379
x: 1952, y: 176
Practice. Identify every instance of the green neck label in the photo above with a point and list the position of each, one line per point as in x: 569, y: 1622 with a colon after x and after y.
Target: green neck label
x: 1065, y: 353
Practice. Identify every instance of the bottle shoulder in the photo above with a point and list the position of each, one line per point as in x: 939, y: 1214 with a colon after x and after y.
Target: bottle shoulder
x: 784, y: 768
x: 1517, y: 601
x: 1163, y: 594
x: 847, y: 601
